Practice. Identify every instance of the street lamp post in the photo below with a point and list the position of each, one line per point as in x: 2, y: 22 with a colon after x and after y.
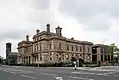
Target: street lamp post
x: 78, y: 62
x: 75, y: 65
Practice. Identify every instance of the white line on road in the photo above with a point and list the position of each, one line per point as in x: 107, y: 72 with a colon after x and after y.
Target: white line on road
x: 28, y: 76
x: 89, y: 73
x: 109, y: 73
x: 49, y: 74
x: 5, y: 70
x: 58, y: 78
x: 19, y: 71
x: 12, y: 72
x: 116, y: 75
x: 80, y: 78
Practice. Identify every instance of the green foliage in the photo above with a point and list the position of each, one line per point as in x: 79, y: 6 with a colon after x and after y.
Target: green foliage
x: 113, y: 48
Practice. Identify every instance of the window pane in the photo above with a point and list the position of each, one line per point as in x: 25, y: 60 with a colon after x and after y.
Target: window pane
x: 76, y: 48
x: 72, y: 48
x: 50, y: 46
x: 68, y: 48
x: 60, y: 46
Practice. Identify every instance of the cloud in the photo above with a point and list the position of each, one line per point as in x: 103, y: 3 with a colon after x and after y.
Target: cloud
x: 95, y: 14
x: 19, y: 18
x: 99, y: 23
x: 88, y: 20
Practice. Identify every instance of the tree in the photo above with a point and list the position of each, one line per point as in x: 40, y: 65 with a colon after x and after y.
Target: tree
x: 113, y: 50
x: 73, y: 59
x: 1, y: 60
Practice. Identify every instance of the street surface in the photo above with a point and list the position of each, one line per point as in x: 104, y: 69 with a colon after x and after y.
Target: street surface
x: 45, y: 73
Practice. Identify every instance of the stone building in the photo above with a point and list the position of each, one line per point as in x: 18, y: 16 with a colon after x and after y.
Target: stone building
x: 11, y: 57
x: 49, y: 48
x: 8, y: 49
x: 101, y: 53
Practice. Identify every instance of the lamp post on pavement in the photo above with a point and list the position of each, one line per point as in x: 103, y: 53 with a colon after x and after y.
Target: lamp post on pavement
x: 78, y: 62
x: 75, y: 65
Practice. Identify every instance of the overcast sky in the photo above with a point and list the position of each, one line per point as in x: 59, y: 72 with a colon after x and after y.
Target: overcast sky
x: 87, y: 20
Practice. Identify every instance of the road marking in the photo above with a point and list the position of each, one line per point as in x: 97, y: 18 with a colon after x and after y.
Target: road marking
x: 86, y: 73
x: 49, y: 74
x: 109, y: 73
x: 58, y: 78
x: 5, y: 70
x: 80, y: 78
x: 12, y: 72
x: 19, y: 71
x: 28, y: 76
x: 116, y: 75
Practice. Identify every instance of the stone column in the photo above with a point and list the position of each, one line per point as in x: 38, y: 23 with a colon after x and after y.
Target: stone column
x: 103, y: 57
x: 97, y: 57
x: 110, y: 58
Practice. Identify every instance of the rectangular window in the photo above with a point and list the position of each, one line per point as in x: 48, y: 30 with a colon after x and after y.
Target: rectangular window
x: 101, y: 57
x: 40, y: 57
x: 50, y: 46
x: 88, y: 49
x: 80, y: 48
x: 50, y: 58
x: 72, y: 48
x: 101, y: 50
x: 37, y: 46
x: 54, y: 46
x: 76, y: 48
x: 40, y: 47
x: 67, y: 47
x: 60, y: 46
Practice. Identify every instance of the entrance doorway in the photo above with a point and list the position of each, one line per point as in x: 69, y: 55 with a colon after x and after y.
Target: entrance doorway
x: 94, y: 58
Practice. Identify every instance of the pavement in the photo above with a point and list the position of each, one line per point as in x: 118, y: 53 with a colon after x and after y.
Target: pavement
x: 64, y: 73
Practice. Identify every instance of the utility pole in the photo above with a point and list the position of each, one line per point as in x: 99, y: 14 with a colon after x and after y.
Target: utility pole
x: 75, y: 65
x: 78, y: 62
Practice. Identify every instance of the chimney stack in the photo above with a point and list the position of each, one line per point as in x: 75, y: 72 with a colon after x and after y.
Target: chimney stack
x: 37, y: 31
x: 59, y: 31
x: 48, y: 28
x: 72, y: 38
x: 27, y: 38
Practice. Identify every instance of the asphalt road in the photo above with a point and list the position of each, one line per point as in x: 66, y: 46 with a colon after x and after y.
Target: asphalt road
x: 27, y: 73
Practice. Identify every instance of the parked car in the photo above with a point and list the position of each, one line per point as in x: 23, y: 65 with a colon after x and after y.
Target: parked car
x: 68, y: 64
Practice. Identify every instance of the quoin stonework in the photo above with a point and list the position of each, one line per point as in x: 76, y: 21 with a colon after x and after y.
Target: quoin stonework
x: 49, y: 48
